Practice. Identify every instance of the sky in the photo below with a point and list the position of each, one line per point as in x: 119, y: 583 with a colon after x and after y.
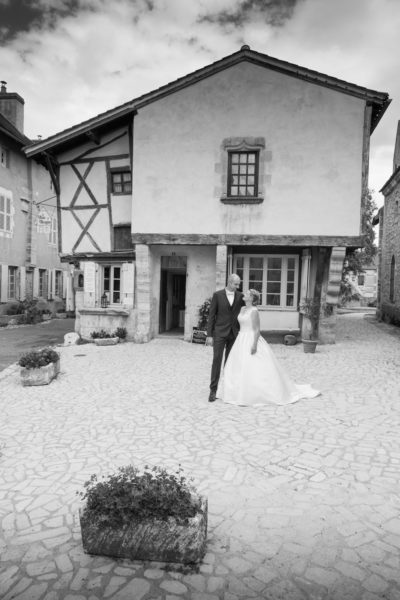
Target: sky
x: 73, y: 59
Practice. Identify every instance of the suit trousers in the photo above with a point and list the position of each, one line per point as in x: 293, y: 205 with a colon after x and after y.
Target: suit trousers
x: 219, y: 345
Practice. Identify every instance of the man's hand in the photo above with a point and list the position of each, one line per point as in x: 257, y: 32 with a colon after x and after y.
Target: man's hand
x: 253, y: 349
x: 209, y: 341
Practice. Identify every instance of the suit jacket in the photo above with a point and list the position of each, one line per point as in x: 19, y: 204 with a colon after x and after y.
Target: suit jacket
x: 223, y: 318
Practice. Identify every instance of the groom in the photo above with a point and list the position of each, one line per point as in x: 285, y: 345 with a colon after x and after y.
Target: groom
x: 223, y: 327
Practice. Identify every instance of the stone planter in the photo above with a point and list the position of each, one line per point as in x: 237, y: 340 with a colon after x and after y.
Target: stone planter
x: 40, y: 376
x: 151, y: 539
x: 106, y: 341
x: 309, y: 345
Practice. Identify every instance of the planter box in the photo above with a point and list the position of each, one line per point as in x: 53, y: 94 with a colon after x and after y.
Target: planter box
x: 40, y: 376
x: 106, y: 341
x: 309, y: 345
x: 199, y: 336
x: 151, y: 539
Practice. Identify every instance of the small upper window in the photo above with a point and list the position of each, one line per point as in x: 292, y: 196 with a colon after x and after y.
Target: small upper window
x: 4, y: 157
x: 121, y: 182
x: 243, y: 174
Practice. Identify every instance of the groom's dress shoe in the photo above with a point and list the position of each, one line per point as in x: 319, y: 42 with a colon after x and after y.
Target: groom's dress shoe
x: 212, y: 397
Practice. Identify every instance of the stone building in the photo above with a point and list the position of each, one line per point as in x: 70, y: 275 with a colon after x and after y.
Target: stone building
x: 389, y: 243
x: 250, y: 164
x: 29, y: 260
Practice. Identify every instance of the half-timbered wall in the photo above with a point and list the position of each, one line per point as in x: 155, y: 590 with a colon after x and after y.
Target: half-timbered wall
x: 89, y: 210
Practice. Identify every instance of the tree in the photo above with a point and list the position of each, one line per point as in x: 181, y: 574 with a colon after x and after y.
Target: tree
x: 357, y: 259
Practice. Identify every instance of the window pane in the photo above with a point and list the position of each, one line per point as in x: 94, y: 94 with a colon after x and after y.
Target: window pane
x: 235, y: 158
x: 252, y: 158
x: 235, y: 169
x: 250, y: 191
x: 273, y: 287
x: 250, y: 180
x: 251, y: 169
x: 290, y: 288
x: 2, y: 220
x: 289, y: 300
x: 2, y: 203
x: 273, y: 275
x: 234, y: 191
x: 235, y: 179
x: 243, y: 157
x: 256, y: 262
x: 117, y: 177
x: 273, y: 299
x: 291, y: 263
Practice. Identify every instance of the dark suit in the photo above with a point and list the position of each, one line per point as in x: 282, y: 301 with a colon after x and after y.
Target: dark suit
x: 223, y: 327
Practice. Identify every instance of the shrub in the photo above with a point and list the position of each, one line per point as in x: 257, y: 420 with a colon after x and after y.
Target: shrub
x: 121, y: 332
x: 390, y: 313
x: 100, y: 334
x: 132, y: 495
x: 32, y: 312
x: 204, y: 311
x: 15, y: 309
x: 38, y: 358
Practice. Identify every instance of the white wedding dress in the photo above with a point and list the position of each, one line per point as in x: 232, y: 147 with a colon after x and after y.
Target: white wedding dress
x: 258, y: 379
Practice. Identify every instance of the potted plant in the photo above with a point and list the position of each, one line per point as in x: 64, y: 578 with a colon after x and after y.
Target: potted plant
x: 199, y: 334
x: 102, y: 338
x: 39, y: 367
x: 310, y: 309
x: 144, y: 515
x: 121, y: 333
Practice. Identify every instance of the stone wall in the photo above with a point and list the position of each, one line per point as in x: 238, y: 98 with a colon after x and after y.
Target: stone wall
x: 390, y: 247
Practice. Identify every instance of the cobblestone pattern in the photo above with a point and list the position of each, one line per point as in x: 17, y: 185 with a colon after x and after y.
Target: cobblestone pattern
x: 303, y: 499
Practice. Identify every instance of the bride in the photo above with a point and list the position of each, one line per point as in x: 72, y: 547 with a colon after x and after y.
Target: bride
x: 252, y: 374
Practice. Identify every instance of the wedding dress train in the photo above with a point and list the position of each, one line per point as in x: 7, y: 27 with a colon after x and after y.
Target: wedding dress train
x: 257, y: 379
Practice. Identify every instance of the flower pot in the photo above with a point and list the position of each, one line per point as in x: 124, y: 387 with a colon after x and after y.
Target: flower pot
x: 41, y: 375
x: 148, y: 539
x: 309, y: 345
x: 198, y: 336
x: 106, y: 341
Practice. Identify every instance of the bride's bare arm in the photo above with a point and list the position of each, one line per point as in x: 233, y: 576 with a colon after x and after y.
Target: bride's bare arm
x: 255, y: 323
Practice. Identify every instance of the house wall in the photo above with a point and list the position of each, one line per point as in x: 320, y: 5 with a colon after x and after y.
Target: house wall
x: 28, y: 246
x: 311, y: 174
x: 390, y: 246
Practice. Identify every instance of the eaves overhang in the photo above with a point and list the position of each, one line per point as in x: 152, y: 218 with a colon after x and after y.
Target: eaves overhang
x: 391, y: 183
x: 378, y: 100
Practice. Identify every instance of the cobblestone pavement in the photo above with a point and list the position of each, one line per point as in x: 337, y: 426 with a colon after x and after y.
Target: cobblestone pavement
x: 303, y: 500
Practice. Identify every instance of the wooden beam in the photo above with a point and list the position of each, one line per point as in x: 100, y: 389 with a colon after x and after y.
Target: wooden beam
x: 246, y: 240
x: 93, y: 137
x: 52, y: 167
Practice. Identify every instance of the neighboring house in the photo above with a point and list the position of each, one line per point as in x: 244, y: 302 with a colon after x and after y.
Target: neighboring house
x: 365, y: 285
x: 29, y: 260
x: 389, y: 243
x: 251, y: 164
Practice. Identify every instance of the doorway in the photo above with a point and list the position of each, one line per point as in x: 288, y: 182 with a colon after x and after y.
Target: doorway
x: 172, y: 294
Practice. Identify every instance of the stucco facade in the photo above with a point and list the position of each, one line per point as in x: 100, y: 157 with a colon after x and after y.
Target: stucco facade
x: 30, y: 264
x: 250, y: 165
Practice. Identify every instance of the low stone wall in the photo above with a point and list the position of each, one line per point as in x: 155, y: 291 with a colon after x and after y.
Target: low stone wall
x: 109, y: 319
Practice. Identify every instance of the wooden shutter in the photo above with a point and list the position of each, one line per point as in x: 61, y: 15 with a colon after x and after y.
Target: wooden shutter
x: 89, y: 284
x: 4, y: 283
x: 35, y: 282
x: 128, y: 270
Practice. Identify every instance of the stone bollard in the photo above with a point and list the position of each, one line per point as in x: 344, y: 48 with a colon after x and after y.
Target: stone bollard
x: 71, y: 338
x: 290, y: 340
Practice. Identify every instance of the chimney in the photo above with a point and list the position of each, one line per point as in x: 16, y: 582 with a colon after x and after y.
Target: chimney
x: 12, y: 106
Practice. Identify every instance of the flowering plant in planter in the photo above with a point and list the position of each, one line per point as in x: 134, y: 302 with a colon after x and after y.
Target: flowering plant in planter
x: 310, y: 309
x: 39, y: 367
x: 150, y: 514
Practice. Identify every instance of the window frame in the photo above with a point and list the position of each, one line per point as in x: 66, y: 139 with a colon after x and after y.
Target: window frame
x: 244, y: 145
x: 231, y: 175
x: 12, y: 283
x: 6, y: 212
x: 43, y: 283
x: 53, y: 232
x: 111, y: 285
x: 58, y: 283
x: 244, y: 273
x: 124, y: 184
x: 4, y: 157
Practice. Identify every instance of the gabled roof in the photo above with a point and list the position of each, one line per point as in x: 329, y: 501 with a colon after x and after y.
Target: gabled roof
x: 391, y: 183
x: 378, y: 100
x: 9, y: 129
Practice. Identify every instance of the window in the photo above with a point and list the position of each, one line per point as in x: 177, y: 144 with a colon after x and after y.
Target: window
x: 242, y: 174
x: 5, y: 213
x: 274, y: 276
x: 4, y: 157
x: 361, y: 280
x: 122, y: 237
x: 42, y: 283
x: 391, y: 282
x: 53, y: 231
x: 58, y: 284
x: 112, y: 283
x: 121, y: 182
x: 12, y: 283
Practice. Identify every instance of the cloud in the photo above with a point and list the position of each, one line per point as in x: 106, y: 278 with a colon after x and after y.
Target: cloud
x: 272, y: 12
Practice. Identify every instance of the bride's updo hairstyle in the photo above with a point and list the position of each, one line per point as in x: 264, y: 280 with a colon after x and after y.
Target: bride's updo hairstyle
x: 255, y: 294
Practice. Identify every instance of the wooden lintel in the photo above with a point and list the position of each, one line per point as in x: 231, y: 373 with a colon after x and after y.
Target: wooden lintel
x: 247, y: 240
x: 93, y: 137
x: 52, y: 167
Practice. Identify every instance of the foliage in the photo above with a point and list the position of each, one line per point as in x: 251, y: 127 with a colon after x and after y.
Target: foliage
x: 390, y: 313
x: 101, y: 334
x: 38, y: 358
x: 31, y: 310
x: 204, y: 311
x: 357, y: 259
x: 15, y: 309
x: 131, y: 494
x: 121, y: 332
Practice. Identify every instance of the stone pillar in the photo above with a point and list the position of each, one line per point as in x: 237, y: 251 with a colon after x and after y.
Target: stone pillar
x: 143, y: 331
x: 221, y: 258
x: 329, y: 297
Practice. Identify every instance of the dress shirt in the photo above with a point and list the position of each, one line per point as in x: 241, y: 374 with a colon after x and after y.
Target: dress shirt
x: 230, y: 296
